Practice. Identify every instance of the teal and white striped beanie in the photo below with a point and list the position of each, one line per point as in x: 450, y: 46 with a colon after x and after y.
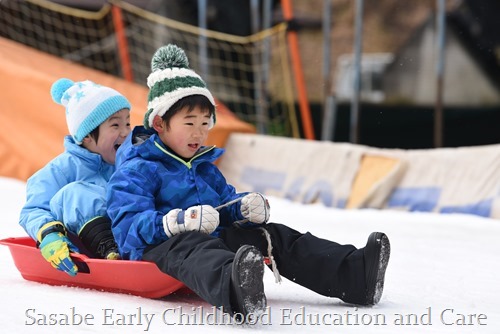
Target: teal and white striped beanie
x: 171, y: 79
x: 87, y: 104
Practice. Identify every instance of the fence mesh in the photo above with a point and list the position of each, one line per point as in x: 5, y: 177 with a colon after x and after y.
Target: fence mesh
x: 251, y: 74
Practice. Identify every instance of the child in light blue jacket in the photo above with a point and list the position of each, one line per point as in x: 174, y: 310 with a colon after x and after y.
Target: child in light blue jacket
x: 67, y: 196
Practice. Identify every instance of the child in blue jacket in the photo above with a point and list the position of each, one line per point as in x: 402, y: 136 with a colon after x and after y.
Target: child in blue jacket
x: 68, y: 196
x: 171, y: 205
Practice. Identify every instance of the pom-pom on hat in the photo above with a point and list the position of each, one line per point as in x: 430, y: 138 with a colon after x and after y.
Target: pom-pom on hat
x: 171, y: 80
x: 87, y: 104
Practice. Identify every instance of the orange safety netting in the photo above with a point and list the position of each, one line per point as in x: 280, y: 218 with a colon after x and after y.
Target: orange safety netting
x: 32, y: 126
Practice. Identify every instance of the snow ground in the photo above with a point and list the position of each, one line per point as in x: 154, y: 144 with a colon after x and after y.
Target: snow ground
x: 443, y: 273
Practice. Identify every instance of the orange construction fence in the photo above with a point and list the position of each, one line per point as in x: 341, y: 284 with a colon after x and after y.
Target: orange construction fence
x: 32, y: 126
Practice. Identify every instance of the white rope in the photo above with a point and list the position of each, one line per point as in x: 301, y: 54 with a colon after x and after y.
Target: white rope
x: 238, y: 222
x: 274, y: 267
x: 228, y: 203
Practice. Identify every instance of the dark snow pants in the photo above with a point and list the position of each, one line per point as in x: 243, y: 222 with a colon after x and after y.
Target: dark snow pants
x: 203, y: 262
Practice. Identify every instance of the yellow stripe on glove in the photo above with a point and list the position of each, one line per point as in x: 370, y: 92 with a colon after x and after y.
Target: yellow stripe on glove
x: 56, y: 248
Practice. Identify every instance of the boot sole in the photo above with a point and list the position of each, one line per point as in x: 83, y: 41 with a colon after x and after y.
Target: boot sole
x: 247, y: 279
x: 379, y: 259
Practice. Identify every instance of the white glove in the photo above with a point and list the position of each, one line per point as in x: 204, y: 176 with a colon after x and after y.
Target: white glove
x: 201, y: 218
x: 255, y: 208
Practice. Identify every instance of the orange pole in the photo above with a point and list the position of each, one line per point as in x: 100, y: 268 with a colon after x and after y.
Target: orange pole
x: 121, y: 40
x: 293, y: 44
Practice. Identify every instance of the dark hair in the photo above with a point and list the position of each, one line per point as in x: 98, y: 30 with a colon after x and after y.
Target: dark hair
x: 94, y: 134
x: 191, y: 102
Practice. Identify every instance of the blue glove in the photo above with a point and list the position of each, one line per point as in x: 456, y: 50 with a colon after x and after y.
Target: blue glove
x: 56, y: 247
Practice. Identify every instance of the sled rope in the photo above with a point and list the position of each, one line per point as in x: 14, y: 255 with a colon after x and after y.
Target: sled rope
x: 238, y: 222
x: 274, y: 267
x: 228, y: 203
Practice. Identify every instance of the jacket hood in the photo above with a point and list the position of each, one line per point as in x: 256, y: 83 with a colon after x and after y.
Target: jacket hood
x: 87, y: 156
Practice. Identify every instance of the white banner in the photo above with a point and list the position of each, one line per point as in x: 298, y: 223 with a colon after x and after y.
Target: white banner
x: 465, y: 180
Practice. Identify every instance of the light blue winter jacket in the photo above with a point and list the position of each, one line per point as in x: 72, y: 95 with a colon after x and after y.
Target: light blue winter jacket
x: 150, y: 181
x: 75, y: 165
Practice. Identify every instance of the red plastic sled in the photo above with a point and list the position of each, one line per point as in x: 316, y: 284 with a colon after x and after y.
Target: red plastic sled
x: 138, y: 278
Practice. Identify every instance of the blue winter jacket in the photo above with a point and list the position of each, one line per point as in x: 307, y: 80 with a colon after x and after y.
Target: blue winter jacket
x: 150, y: 180
x: 76, y: 163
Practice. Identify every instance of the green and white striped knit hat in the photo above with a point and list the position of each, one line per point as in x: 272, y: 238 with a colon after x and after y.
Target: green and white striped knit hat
x: 171, y: 79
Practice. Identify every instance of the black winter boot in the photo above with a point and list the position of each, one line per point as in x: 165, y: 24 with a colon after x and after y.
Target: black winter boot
x: 97, y: 237
x: 376, y: 254
x: 247, y: 286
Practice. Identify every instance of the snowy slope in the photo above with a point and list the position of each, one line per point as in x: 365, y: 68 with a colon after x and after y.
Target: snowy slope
x: 443, y: 272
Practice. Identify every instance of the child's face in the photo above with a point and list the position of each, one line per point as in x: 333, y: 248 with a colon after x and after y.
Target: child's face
x: 112, y: 133
x: 187, y: 132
